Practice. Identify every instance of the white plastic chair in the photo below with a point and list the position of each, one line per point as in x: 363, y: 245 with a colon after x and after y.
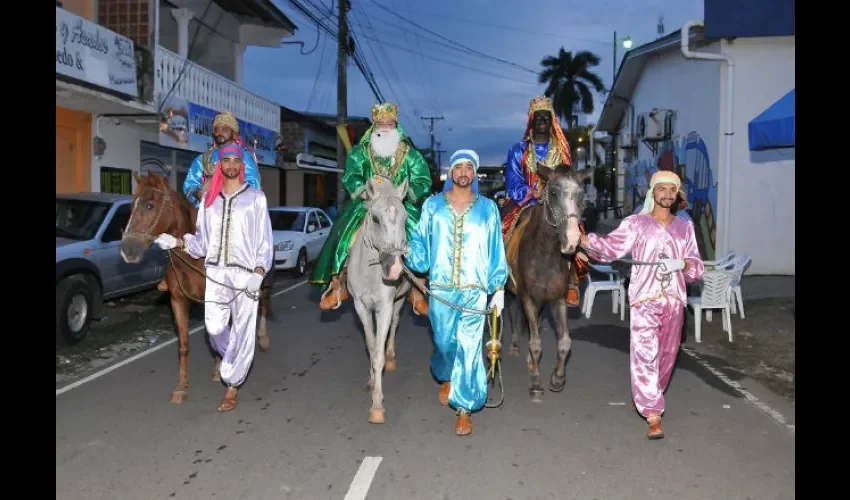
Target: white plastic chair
x: 722, y: 261
x: 612, y: 273
x: 734, y: 262
x: 615, y: 286
x: 716, y: 294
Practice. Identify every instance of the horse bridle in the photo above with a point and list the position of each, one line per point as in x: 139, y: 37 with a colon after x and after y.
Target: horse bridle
x: 367, y: 237
x: 147, y: 235
x: 551, y: 215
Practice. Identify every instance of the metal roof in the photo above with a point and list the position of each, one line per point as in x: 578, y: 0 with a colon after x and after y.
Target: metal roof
x: 629, y: 74
x: 263, y: 10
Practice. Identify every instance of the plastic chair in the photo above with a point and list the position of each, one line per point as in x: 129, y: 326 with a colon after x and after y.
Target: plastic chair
x: 716, y: 294
x: 618, y: 295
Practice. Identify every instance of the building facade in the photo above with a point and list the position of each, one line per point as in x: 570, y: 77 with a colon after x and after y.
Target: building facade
x: 307, y: 156
x: 670, y: 113
x: 144, y: 99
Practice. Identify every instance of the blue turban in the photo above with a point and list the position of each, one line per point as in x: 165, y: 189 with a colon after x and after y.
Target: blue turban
x: 460, y: 156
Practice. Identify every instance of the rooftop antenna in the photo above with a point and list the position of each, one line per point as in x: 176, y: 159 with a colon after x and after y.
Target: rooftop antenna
x: 660, y: 24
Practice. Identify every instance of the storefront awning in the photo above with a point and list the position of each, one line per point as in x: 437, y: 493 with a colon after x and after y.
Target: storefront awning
x: 774, y: 128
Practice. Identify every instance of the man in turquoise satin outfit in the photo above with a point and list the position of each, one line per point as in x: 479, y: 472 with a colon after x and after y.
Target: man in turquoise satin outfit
x: 458, y: 242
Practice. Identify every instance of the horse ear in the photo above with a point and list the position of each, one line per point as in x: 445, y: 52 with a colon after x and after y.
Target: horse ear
x: 543, y: 172
x: 402, y: 188
x: 138, y: 177
x: 586, y: 173
x: 370, y: 190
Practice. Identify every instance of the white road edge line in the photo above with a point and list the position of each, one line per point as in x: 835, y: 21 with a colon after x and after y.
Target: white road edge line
x: 152, y: 350
x: 363, y: 479
x: 775, y: 415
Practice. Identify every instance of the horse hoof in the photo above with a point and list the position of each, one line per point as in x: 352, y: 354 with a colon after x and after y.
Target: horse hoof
x: 536, y: 394
x: 556, y: 384
x: 513, y: 351
x: 390, y: 365
x: 177, y: 397
x: 263, y: 342
x: 376, y: 416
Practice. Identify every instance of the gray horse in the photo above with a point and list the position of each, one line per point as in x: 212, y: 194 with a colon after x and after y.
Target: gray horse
x: 375, y: 279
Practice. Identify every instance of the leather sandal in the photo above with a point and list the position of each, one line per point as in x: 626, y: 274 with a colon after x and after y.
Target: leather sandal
x: 655, y: 430
x: 229, y: 401
x: 463, y: 425
x: 445, y: 389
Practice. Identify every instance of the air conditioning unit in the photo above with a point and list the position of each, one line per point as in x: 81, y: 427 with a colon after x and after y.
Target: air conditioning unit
x: 655, y: 125
x: 626, y: 140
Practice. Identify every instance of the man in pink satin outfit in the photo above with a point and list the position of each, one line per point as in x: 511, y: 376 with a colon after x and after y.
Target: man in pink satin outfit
x: 657, y: 293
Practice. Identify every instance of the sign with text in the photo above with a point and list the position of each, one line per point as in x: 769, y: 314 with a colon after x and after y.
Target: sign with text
x: 94, y: 54
x: 190, y: 126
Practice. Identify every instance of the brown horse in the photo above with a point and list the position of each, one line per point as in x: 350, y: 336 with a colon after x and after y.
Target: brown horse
x: 159, y: 209
x: 546, y: 237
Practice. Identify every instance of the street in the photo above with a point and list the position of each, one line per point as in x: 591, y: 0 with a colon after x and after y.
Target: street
x: 301, y: 431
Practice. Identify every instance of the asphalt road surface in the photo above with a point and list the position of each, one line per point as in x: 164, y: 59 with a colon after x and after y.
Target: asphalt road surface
x: 301, y: 431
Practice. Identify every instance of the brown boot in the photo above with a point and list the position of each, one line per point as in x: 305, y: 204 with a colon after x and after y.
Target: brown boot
x: 334, y: 296
x: 445, y: 389
x: 229, y: 401
x: 655, y: 430
x: 418, y: 299
x: 573, y: 296
x: 463, y: 426
x: 163, y: 286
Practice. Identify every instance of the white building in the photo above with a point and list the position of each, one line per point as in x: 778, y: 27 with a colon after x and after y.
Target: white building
x: 128, y: 100
x: 670, y: 111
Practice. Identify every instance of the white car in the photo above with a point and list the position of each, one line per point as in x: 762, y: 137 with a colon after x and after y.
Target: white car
x: 299, y: 234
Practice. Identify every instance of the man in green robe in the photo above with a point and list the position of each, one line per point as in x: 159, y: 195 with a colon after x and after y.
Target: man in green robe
x: 383, y: 150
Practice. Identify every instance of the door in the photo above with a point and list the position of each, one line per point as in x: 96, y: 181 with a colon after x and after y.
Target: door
x: 324, y: 228
x: 118, y: 276
x: 66, y: 160
x: 314, y: 238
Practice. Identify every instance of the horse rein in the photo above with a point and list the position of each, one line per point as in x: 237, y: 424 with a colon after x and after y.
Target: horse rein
x: 172, y: 252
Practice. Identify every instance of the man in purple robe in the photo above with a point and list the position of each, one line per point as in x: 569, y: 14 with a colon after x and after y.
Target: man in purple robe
x: 657, y: 294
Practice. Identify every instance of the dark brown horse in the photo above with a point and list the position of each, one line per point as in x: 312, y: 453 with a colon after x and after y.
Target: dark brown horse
x: 159, y: 209
x: 546, y: 238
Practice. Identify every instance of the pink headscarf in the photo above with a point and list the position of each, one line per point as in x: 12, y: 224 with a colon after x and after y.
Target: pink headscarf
x: 217, y: 181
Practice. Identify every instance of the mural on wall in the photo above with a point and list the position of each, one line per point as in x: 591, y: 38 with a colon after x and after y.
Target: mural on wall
x: 689, y: 158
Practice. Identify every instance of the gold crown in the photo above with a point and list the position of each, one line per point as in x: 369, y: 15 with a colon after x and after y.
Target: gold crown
x: 541, y: 103
x: 384, y: 110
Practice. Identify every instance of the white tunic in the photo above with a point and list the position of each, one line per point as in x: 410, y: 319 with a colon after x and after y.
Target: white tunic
x: 235, y: 231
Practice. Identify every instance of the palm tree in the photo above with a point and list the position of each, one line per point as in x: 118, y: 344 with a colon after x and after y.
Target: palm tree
x: 567, y: 77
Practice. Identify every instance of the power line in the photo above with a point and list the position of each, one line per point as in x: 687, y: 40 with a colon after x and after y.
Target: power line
x: 470, y: 49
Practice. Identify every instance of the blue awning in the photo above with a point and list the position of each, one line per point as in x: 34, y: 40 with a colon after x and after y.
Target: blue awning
x: 774, y: 128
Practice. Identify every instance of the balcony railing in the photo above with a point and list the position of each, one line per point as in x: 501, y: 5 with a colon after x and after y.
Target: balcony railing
x: 206, y: 88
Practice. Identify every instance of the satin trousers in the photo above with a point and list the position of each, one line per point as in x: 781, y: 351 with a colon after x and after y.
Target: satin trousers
x: 656, y: 332
x: 233, y: 340
x: 458, y: 338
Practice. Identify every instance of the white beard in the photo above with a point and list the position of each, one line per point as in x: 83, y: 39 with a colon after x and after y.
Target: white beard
x: 385, y: 143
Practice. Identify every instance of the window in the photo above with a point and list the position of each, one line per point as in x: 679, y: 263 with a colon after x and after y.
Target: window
x: 312, y: 220
x: 79, y: 219
x: 116, y: 226
x: 324, y: 222
x: 116, y: 180
x: 287, y: 220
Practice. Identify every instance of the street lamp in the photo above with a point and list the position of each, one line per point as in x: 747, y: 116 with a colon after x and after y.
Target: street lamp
x: 627, y: 44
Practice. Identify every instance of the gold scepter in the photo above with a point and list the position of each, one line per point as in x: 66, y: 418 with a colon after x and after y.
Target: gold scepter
x: 494, y: 345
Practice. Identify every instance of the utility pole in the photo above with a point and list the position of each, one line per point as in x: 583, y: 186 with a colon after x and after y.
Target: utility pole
x: 434, y: 158
x: 341, y: 94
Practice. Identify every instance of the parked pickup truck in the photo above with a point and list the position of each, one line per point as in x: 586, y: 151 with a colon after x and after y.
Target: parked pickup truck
x: 89, y: 267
